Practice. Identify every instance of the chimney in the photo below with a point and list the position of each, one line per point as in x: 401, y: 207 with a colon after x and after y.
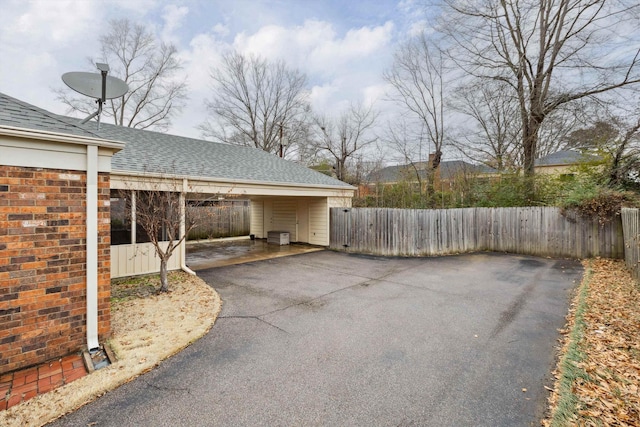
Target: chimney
x: 432, y: 157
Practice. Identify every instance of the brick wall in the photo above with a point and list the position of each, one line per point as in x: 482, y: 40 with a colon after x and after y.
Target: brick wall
x: 43, y: 264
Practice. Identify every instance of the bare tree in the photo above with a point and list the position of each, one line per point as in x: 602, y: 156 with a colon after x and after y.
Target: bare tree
x: 549, y: 52
x: 345, y: 137
x: 160, y: 214
x: 407, y: 141
x: 417, y: 78
x: 555, y: 129
x: 257, y: 103
x: 492, y: 138
x: 155, y: 215
x: 150, y: 69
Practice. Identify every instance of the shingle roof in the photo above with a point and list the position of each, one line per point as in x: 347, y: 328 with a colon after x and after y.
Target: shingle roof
x: 448, y: 169
x: 565, y: 157
x: 159, y: 153
x: 19, y: 114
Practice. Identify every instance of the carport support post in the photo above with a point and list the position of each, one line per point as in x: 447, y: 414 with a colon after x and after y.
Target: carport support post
x: 133, y: 216
x: 183, y: 227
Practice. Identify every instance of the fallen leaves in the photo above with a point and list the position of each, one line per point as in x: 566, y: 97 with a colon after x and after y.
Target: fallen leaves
x: 610, y: 393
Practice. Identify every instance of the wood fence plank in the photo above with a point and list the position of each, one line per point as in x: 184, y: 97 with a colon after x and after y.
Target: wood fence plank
x: 541, y: 231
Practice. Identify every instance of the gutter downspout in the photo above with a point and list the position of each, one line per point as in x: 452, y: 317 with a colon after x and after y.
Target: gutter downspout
x: 92, y: 247
x: 183, y: 228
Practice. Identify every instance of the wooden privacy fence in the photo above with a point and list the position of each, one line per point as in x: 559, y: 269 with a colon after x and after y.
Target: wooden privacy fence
x: 219, y: 221
x: 631, y: 227
x: 541, y: 231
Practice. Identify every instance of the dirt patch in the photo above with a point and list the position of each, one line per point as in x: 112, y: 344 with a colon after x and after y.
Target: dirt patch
x: 146, y: 329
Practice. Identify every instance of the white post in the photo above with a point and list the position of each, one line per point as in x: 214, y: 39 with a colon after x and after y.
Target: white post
x: 133, y: 217
x: 183, y: 227
x: 92, y: 247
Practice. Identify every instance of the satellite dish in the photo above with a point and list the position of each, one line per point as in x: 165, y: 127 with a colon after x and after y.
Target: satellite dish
x: 99, y: 86
x: 90, y: 84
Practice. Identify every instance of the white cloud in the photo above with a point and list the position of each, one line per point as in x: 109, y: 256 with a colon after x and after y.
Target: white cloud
x: 41, y: 41
x: 203, y: 54
x: 173, y: 17
x: 322, y: 96
x: 131, y: 7
x: 418, y: 28
x: 42, y: 21
x: 375, y: 93
x: 220, y: 29
x: 342, y: 69
x: 315, y: 45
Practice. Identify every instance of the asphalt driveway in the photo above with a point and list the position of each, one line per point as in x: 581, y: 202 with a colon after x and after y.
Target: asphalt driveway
x: 334, y: 339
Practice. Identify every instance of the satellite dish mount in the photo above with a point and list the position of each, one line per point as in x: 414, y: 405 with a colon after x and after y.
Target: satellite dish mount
x: 104, y: 70
x: 99, y: 86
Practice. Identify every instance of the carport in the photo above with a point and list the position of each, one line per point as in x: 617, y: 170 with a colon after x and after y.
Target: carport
x: 284, y: 196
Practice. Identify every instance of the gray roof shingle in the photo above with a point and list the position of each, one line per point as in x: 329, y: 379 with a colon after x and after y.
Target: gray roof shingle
x: 565, y: 157
x: 448, y: 170
x: 19, y: 114
x: 159, y: 153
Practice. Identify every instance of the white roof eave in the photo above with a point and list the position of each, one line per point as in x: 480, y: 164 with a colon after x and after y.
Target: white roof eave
x: 231, y: 181
x: 60, y: 137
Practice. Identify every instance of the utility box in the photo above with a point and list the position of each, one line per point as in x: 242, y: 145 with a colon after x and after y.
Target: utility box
x: 278, y: 237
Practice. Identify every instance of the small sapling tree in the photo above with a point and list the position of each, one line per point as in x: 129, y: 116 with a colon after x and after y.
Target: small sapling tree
x: 160, y: 215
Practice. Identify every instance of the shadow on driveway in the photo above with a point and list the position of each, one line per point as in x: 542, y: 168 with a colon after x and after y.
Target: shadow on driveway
x: 334, y: 339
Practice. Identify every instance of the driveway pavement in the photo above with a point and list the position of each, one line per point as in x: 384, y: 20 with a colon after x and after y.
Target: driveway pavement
x: 335, y: 339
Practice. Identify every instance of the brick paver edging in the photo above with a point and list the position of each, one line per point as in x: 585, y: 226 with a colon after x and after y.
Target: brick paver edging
x: 22, y: 385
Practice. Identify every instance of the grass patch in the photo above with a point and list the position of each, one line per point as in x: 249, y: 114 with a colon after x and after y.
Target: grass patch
x: 570, y: 370
x: 144, y: 286
x: 128, y: 288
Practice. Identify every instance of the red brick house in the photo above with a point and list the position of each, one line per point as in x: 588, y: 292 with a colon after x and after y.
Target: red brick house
x: 54, y: 236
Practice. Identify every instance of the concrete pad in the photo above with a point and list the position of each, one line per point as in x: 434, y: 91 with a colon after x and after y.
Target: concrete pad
x: 222, y: 252
x: 334, y: 339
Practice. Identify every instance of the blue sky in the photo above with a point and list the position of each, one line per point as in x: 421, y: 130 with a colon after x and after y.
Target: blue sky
x: 342, y: 46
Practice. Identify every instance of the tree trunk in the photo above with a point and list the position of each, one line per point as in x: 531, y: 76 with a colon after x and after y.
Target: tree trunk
x: 164, y: 281
x: 614, y: 174
x: 432, y: 170
x: 529, y: 146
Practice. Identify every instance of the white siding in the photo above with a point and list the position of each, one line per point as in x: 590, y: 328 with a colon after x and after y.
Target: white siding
x: 284, y: 217
x: 139, y: 258
x: 53, y: 154
x: 257, y: 219
x: 319, y: 222
x: 303, y: 220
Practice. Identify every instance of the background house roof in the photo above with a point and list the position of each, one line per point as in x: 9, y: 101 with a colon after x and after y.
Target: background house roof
x: 448, y: 170
x: 159, y: 153
x: 565, y: 157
